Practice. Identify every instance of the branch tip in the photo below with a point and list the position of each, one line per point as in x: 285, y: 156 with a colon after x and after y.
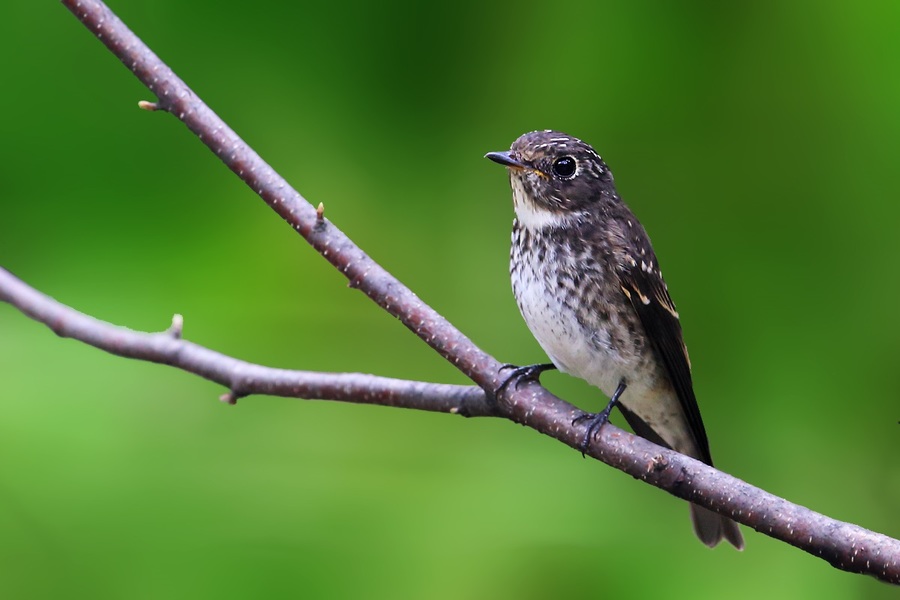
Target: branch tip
x: 229, y: 398
x: 320, y: 211
x: 177, y: 326
x: 147, y: 105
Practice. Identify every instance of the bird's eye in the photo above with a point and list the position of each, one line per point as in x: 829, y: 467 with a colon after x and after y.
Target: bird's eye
x: 564, y: 167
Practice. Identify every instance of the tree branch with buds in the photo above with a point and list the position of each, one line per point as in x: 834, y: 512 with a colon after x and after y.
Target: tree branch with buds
x: 844, y: 545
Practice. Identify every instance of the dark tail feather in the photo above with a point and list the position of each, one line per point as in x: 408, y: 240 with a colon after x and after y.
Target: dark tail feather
x: 711, y: 528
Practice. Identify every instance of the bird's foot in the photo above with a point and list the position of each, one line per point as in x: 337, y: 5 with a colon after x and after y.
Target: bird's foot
x: 597, y: 420
x: 520, y: 374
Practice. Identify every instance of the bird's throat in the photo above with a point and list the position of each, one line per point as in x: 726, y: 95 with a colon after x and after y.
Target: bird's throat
x: 530, y: 214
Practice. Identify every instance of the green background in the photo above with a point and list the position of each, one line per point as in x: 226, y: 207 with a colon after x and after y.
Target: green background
x: 757, y: 142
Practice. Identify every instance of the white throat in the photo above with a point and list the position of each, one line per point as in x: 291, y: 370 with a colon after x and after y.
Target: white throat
x: 529, y: 214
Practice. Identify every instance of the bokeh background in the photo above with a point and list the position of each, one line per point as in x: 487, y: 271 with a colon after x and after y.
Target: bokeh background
x: 758, y: 143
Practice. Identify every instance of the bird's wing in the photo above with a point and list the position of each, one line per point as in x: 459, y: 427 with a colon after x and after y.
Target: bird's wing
x: 646, y: 289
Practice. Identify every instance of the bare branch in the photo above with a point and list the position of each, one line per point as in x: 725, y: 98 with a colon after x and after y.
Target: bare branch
x: 240, y: 377
x: 844, y: 545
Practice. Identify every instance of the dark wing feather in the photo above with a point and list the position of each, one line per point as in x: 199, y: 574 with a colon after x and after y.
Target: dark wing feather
x: 646, y: 290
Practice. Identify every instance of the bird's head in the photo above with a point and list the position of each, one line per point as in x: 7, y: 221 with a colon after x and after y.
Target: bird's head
x: 554, y: 177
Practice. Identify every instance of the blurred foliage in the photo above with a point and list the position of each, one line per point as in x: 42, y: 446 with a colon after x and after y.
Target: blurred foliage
x: 756, y: 141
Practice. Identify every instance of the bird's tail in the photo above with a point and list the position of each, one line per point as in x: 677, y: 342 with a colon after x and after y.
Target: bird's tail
x: 711, y: 528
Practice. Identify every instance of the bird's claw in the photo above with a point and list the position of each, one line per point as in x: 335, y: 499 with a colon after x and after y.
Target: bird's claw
x: 598, y: 420
x: 595, y: 422
x: 520, y: 374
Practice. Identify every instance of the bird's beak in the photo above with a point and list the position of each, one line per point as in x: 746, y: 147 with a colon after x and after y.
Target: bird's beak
x: 506, y: 160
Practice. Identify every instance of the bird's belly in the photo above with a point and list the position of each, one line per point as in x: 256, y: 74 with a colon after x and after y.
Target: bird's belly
x: 577, y: 345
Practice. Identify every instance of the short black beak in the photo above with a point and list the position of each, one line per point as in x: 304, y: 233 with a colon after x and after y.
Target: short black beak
x: 505, y: 159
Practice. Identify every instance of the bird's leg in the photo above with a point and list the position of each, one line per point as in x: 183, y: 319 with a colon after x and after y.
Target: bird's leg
x: 599, y: 419
x: 520, y: 374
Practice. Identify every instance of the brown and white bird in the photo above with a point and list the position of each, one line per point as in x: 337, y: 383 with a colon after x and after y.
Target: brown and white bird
x: 589, y: 286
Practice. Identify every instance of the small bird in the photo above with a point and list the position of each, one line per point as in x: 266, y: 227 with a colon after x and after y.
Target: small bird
x: 590, y: 288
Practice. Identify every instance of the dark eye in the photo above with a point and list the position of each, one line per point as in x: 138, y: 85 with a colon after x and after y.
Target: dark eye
x: 564, y: 167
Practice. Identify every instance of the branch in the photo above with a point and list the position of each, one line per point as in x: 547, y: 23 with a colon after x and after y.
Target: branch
x: 844, y: 545
x: 240, y: 377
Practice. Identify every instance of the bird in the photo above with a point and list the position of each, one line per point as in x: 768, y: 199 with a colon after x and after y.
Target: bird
x: 589, y: 286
